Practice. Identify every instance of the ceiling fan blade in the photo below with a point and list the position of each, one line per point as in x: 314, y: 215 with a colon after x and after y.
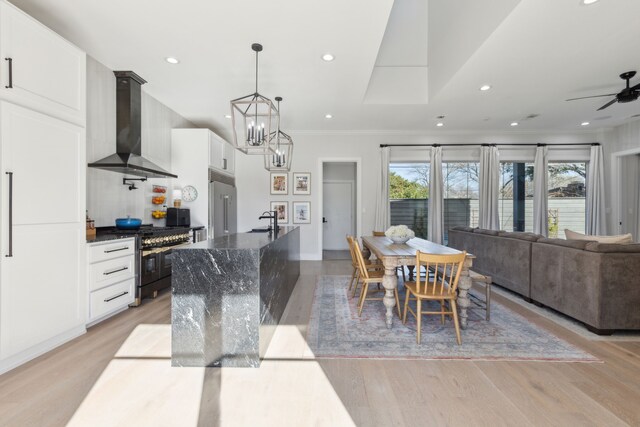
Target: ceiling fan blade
x: 613, y: 101
x: 636, y: 87
x: 595, y: 96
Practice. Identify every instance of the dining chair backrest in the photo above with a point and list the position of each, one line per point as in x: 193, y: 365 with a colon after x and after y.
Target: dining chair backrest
x: 354, y: 260
x: 364, y: 273
x: 446, y: 270
x: 379, y: 234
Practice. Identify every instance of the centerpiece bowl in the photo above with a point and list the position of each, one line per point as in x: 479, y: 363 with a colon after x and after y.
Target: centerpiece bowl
x: 400, y: 240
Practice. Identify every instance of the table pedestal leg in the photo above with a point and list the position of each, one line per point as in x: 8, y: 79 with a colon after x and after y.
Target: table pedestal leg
x: 464, y: 302
x: 390, y: 283
x: 411, y: 269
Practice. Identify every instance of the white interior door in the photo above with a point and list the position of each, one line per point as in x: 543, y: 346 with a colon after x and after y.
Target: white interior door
x: 337, y: 205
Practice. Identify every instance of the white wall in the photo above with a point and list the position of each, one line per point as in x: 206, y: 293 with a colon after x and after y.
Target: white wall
x: 252, y: 179
x: 622, y: 138
x: 107, y: 198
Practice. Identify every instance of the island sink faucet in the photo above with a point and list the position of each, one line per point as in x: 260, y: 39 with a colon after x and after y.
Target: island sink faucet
x: 271, y: 215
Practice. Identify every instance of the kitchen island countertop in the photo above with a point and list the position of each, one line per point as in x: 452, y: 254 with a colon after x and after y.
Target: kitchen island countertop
x: 228, y: 295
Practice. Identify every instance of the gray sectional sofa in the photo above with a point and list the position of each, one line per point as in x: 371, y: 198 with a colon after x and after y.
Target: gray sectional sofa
x: 597, y: 284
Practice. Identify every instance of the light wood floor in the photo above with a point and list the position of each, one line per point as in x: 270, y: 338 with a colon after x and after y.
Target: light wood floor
x: 119, y: 374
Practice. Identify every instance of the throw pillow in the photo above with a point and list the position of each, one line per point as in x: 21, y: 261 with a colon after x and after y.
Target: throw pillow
x: 622, y: 238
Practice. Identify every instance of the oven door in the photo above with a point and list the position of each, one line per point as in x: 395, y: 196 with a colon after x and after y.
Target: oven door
x: 165, y: 258
x: 150, y: 268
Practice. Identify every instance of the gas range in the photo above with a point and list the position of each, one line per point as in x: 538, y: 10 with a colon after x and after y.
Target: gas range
x: 154, y: 254
x: 155, y: 237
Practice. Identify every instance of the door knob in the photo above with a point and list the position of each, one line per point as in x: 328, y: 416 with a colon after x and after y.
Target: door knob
x: 324, y: 220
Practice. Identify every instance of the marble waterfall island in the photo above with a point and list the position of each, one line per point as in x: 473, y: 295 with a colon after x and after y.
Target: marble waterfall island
x: 228, y: 295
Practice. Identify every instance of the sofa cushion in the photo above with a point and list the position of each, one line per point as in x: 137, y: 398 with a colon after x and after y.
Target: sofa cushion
x: 485, y: 231
x: 613, y: 247
x: 622, y: 238
x: 461, y: 228
x: 529, y: 237
x: 576, y: 244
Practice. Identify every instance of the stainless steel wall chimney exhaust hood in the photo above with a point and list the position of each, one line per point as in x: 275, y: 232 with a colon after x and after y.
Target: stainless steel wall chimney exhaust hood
x: 128, y: 157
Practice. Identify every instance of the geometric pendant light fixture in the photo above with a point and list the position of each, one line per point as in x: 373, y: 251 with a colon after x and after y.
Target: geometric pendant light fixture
x: 252, y: 117
x: 280, y: 160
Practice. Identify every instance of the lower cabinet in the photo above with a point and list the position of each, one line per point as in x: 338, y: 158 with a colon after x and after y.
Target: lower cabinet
x: 112, y: 278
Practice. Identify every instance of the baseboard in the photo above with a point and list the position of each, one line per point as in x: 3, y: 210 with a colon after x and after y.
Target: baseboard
x: 23, y: 357
x: 106, y: 316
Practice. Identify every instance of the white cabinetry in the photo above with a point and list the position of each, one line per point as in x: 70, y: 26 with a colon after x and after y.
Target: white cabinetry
x: 42, y: 190
x: 111, y: 277
x: 221, y: 154
x: 229, y: 158
x: 39, y: 69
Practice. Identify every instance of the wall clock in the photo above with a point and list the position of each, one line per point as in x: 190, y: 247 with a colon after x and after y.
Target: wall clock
x: 189, y: 193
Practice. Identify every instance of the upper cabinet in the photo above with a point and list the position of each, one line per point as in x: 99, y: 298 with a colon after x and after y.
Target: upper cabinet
x: 221, y: 155
x: 27, y: 48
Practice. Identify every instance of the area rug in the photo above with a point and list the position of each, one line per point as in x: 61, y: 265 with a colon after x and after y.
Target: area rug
x: 336, y: 331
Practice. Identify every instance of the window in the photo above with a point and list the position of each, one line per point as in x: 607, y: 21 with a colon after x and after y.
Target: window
x: 409, y: 191
x: 461, y: 195
x: 567, y: 198
x: 408, y: 196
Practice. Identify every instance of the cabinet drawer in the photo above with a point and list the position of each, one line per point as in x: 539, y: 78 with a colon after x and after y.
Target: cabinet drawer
x: 105, y: 273
x: 111, y: 298
x: 111, y: 250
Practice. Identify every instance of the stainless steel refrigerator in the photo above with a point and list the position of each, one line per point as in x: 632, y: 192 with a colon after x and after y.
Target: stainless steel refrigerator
x: 223, y: 211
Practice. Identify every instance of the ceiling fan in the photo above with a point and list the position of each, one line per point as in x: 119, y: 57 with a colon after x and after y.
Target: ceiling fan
x: 627, y: 94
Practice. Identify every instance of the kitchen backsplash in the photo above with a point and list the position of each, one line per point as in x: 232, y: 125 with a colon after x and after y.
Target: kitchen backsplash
x: 107, y: 198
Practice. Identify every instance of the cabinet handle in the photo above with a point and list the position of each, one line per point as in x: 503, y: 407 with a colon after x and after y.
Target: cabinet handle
x: 10, y: 86
x: 10, y: 254
x: 106, y: 273
x: 116, y: 250
x: 224, y: 164
x: 117, y: 296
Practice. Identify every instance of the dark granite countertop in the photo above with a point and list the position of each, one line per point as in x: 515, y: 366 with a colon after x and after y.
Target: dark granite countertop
x: 240, y: 240
x: 103, y: 237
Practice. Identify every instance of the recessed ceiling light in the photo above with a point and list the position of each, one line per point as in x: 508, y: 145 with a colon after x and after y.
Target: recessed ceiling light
x: 328, y: 116
x: 585, y: 124
x: 328, y: 57
x: 227, y: 116
x: 588, y: 2
x: 439, y: 124
x: 514, y: 123
x: 485, y: 87
x: 172, y: 60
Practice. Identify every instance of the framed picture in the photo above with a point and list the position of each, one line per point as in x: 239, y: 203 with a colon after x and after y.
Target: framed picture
x: 301, y: 183
x: 282, y: 210
x: 279, y: 183
x: 302, y: 212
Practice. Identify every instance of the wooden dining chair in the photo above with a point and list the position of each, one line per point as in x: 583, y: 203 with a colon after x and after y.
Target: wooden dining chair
x: 355, y: 274
x: 368, y: 276
x: 440, y: 287
x: 381, y: 234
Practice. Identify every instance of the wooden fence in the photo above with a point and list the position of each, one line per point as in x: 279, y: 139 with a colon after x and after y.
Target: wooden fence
x: 565, y: 212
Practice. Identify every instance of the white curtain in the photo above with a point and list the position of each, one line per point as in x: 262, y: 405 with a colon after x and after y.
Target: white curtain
x: 382, y: 198
x: 540, y: 190
x: 436, y: 197
x: 489, y: 188
x: 596, y: 221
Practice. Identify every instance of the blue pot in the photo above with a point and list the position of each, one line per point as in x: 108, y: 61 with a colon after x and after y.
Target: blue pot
x: 128, y: 223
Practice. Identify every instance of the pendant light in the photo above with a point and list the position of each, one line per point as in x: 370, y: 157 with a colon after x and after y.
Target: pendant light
x: 251, y: 118
x: 280, y: 160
